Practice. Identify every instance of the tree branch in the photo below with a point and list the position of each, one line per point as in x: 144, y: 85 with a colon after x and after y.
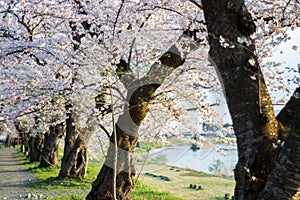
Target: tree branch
x: 196, y: 4
x: 286, y: 115
x: 160, y: 7
x: 117, y: 18
x: 105, y: 130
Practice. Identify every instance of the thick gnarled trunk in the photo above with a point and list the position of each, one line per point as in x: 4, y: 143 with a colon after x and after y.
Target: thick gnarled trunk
x: 120, y: 172
x: 49, y: 155
x: 103, y: 186
x: 75, y: 158
x: 74, y: 163
x: 284, y: 182
x: 36, y: 144
x: 250, y: 106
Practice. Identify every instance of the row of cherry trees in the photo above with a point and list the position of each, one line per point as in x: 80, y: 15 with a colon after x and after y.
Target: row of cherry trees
x: 52, y: 70
x: 58, y: 57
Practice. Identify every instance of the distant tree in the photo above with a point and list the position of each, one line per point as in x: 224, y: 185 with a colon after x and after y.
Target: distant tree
x: 36, y: 144
x: 75, y: 157
x: 24, y: 135
x: 216, y: 167
x: 49, y: 154
x: 37, y: 40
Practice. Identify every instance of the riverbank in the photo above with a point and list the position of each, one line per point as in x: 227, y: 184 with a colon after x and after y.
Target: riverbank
x: 220, y: 159
x: 177, y: 181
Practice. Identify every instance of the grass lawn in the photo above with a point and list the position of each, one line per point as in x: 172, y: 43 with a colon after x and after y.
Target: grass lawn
x: 46, y: 179
x: 150, y: 185
x: 213, y: 187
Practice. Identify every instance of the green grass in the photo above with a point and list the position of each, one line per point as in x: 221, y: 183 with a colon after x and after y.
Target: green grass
x: 197, y: 174
x: 140, y: 192
x: 73, y: 197
x: 47, y: 180
x: 145, y: 192
x: 147, y: 188
x: 213, y: 187
x: 47, y: 177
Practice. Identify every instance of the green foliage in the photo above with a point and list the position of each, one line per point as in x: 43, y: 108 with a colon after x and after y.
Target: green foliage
x: 216, y: 167
x: 159, y: 159
x: 146, y: 146
x: 197, y: 174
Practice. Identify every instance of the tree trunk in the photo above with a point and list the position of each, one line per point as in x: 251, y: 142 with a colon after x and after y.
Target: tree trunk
x: 24, y: 138
x: 249, y: 103
x: 8, y: 141
x: 36, y: 144
x: 118, y: 170
x: 103, y: 186
x: 284, y: 182
x: 49, y: 156
x: 75, y: 158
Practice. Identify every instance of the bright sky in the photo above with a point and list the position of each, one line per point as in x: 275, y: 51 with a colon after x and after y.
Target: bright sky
x: 289, y: 57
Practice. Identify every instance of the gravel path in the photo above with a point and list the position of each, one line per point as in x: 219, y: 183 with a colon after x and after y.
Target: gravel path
x: 14, y: 180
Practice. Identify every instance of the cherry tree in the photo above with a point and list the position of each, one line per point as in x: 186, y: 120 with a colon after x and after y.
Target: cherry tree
x: 255, y: 125
x: 53, y: 48
x: 254, y: 121
x: 39, y: 64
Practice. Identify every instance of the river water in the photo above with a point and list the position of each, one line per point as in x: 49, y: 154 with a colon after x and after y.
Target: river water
x: 200, y: 160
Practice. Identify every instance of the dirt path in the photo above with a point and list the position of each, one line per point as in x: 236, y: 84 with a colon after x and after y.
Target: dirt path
x: 14, y: 180
x: 13, y: 177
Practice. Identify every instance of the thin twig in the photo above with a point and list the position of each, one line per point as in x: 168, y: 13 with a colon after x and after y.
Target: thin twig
x: 105, y: 130
x: 118, y: 15
x: 196, y: 4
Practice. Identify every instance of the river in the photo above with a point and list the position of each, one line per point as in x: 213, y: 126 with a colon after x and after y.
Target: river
x: 200, y: 160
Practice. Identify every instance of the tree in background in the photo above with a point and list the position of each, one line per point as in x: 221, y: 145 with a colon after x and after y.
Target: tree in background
x: 36, y: 142
x: 49, y: 154
x: 42, y: 74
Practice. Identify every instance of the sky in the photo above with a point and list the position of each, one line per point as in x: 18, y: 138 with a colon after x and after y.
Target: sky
x: 289, y: 57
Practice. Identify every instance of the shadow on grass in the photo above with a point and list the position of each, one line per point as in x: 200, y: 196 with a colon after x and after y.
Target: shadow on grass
x: 60, y: 183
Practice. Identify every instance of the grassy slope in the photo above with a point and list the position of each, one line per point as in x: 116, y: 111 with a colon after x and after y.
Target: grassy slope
x: 147, y: 188
x: 47, y: 180
x: 213, y: 187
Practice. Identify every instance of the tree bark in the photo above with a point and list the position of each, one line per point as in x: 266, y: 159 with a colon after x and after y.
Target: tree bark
x: 139, y: 94
x: 75, y: 158
x: 36, y: 144
x: 24, y: 138
x: 49, y: 156
x: 284, y: 182
x: 249, y: 103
